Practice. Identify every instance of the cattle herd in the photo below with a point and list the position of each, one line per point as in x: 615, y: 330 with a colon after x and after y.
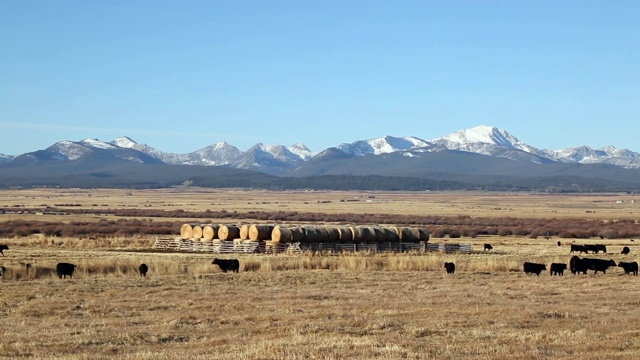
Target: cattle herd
x: 576, y: 264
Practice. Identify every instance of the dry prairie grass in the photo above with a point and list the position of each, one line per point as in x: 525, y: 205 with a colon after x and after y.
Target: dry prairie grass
x: 362, y: 306
x: 313, y: 306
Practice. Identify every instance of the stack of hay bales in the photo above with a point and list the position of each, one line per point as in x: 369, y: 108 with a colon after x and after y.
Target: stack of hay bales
x: 303, y: 233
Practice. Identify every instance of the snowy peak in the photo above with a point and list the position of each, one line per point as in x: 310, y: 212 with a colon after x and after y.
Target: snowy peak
x: 487, y: 140
x: 482, y: 134
x: 124, y: 142
x: 95, y: 143
x: 383, y: 145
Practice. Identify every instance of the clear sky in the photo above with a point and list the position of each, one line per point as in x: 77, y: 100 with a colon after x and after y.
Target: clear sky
x: 182, y: 75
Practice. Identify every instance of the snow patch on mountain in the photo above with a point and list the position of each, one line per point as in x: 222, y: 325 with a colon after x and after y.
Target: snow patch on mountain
x: 383, y: 145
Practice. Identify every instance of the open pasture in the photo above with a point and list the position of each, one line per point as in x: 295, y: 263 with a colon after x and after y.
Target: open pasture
x: 468, y: 203
x: 314, y: 306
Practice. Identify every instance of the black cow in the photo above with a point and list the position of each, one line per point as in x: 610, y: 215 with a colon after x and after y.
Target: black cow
x: 3, y: 270
x: 450, y: 267
x: 2, y: 248
x: 558, y: 269
x: 600, y: 247
x: 625, y: 250
x: 577, y: 265
x: 143, y: 268
x: 629, y: 267
x: 534, y: 268
x: 65, y: 269
x: 578, y: 248
x: 559, y: 243
x: 488, y: 247
x: 227, y: 265
x: 598, y: 264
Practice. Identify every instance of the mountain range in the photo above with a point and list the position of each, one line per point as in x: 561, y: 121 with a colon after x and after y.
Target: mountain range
x: 476, y: 157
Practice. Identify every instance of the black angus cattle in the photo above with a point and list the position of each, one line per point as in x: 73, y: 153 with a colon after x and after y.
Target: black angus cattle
x: 577, y: 265
x: 625, y: 250
x: 227, y: 265
x: 143, y: 269
x: 450, y: 267
x: 600, y: 247
x: 558, y: 269
x: 488, y: 247
x: 578, y: 248
x: 65, y: 269
x: 2, y: 248
x: 597, y: 265
x: 559, y: 243
x: 534, y: 268
x: 629, y: 267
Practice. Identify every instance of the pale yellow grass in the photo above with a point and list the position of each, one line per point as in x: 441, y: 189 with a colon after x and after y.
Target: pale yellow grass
x: 363, y: 306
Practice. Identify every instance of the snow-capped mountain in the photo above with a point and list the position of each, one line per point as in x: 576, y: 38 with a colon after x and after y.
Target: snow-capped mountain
x: 279, y: 159
x: 383, y: 145
x: 5, y: 158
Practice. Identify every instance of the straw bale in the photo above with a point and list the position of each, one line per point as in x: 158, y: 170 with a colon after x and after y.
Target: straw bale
x: 229, y: 232
x: 244, y: 231
x: 260, y: 232
x: 197, y: 232
x: 186, y: 231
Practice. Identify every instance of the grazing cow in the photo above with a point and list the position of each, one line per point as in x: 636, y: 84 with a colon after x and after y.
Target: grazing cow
x: 2, y: 248
x: 65, y: 269
x: 227, y: 265
x: 534, y: 268
x: 578, y: 265
x: 450, y: 267
x: 629, y: 267
x: 558, y: 269
x: 488, y: 247
x: 143, y: 268
x: 578, y: 248
x: 600, y: 247
x: 625, y: 250
x: 598, y: 264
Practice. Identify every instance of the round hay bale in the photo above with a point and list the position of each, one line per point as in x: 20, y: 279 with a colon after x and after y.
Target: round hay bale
x: 210, y: 232
x: 282, y: 233
x: 313, y: 234
x: 409, y: 234
x: 357, y: 233
x: 229, y: 232
x: 244, y: 231
x: 380, y: 234
x: 334, y: 233
x: 424, y: 234
x: 368, y: 234
x: 260, y: 232
x: 345, y: 234
x: 186, y: 231
x: 197, y: 232
x: 391, y: 233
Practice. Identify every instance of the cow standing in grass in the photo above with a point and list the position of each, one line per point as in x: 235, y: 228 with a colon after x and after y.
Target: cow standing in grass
x: 625, y: 250
x: 488, y: 247
x: 143, y: 269
x: 533, y: 268
x: 450, y: 267
x: 558, y: 269
x: 2, y: 248
x: 227, y: 265
x: 629, y: 267
x: 65, y: 269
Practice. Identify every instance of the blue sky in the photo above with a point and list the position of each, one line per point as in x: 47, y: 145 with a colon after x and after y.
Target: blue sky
x: 182, y: 75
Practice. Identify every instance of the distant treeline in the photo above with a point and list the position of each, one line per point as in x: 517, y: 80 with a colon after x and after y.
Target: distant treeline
x: 438, y: 226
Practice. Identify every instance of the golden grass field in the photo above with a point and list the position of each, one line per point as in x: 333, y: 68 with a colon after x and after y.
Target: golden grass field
x: 312, y: 306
